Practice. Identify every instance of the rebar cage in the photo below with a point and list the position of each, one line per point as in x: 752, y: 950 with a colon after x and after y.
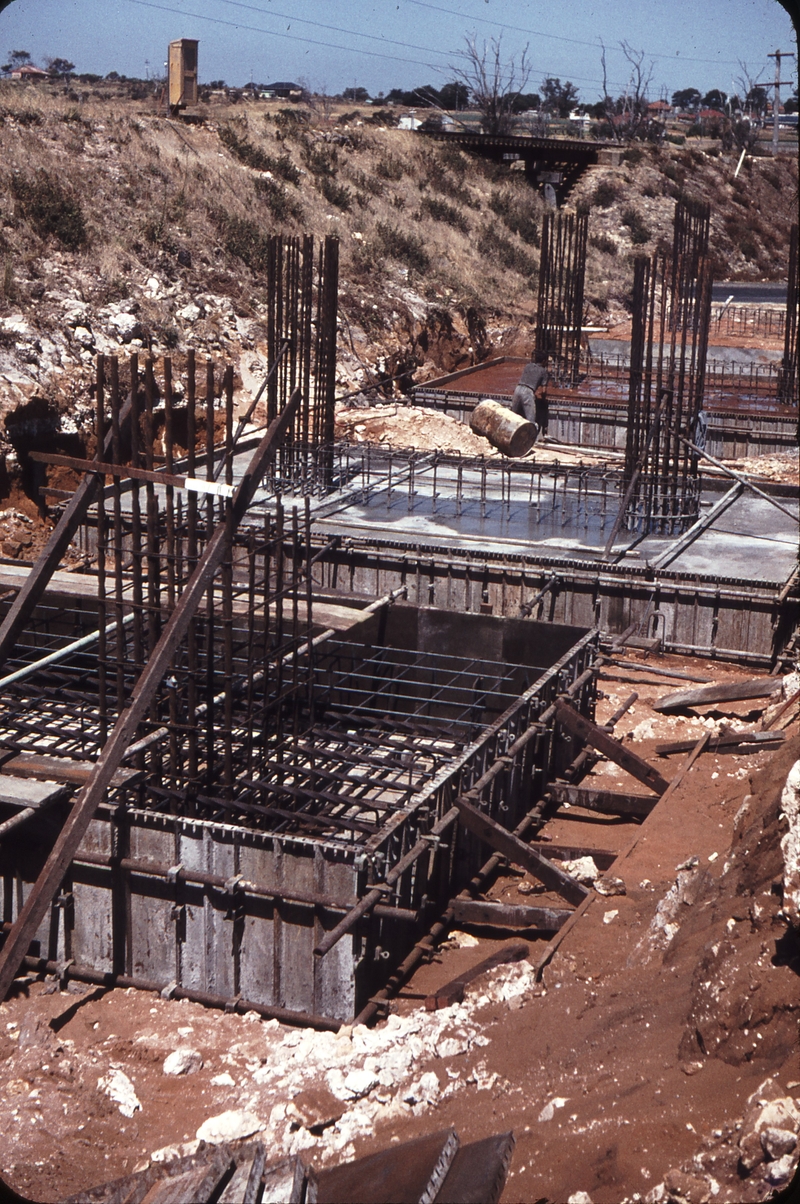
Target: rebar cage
x: 280, y: 771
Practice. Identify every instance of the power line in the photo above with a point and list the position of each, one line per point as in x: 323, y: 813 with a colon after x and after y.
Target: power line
x: 538, y: 33
x: 395, y: 58
x: 272, y: 33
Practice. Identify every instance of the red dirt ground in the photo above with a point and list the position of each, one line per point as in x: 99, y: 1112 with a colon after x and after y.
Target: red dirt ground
x: 647, y: 1074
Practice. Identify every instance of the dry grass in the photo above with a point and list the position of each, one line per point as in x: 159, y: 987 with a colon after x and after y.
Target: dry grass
x: 409, y: 213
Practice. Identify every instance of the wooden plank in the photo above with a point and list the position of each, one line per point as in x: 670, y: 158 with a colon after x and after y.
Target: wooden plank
x: 22, y: 792
x: 758, y: 687
x: 195, y: 1186
x: 124, y: 732
x: 453, y: 991
x: 519, y: 853
x: 412, y: 1171
x: 608, y: 802
x: 62, y: 769
x: 730, y: 742
x: 479, y: 1171
x: 633, y: 764
x: 508, y: 915
x: 243, y: 1186
x: 286, y: 1181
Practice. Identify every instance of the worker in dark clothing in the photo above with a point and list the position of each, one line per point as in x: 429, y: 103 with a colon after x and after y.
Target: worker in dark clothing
x: 530, y: 396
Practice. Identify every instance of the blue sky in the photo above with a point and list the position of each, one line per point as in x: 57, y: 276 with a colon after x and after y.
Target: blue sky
x: 381, y: 44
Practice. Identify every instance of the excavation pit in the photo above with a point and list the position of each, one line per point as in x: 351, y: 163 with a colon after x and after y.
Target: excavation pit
x: 220, y: 890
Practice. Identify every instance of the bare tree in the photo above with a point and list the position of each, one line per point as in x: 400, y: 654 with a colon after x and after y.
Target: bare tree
x: 629, y: 115
x: 494, y: 81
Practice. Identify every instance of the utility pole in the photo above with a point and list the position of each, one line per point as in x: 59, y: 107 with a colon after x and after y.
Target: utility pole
x: 776, y: 99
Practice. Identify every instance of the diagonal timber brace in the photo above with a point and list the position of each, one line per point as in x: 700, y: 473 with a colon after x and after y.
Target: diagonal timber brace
x: 93, y: 793
x: 584, y: 729
x: 520, y: 853
x: 60, y: 538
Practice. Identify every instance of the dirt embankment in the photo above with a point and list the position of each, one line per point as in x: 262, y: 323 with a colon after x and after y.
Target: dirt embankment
x: 439, y: 250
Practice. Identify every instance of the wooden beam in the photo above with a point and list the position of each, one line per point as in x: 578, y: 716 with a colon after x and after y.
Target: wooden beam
x: 734, y: 691
x: 499, y: 838
x: 633, y: 764
x: 93, y: 793
x: 453, y: 991
x: 730, y: 742
x: 127, y: 471
x: 508, y: 915
x: 63, y: 769
x: 609, y: 802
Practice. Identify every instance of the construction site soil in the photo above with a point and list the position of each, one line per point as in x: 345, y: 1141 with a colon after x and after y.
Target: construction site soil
x: 631, y: 1071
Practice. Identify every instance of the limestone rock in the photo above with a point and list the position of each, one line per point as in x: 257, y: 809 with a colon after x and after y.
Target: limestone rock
x: 782, y: 1169
x: 777, y: 1142
x: 118, y: 1087
x: 183, y: 1061
x: 360, y: 1082
x: 232, y: 1125
x: 790, y: 846
x: 686, y: 1189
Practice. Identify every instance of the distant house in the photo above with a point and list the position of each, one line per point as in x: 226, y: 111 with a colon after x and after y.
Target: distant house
x: 283, y: 91
x: 659, y: 108
x: 29, y: 72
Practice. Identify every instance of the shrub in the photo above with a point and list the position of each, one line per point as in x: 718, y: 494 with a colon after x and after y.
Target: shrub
x: 253, y: 156
x: 516, y: 215
x: 673, y: 172
x: 335, y: 194
x: 49, y: 208
x: 242, y: 237
x: 386, y: 117
x: 280, y: 204
x: 290, y: 121
x: 632, y: 155
x: 676, y: 139
x: 406, y: 248
x: 603, y: 243
x: 367, y: 183
x: 389, y: 168
x: 605, y: 194
x: 636, y: 225
x: 440, y: 211
x: 320, y: 160
x: 24, y: 116
x: 511, y: 256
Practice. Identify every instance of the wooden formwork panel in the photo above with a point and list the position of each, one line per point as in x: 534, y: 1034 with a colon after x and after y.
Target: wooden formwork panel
x: 690, y: 614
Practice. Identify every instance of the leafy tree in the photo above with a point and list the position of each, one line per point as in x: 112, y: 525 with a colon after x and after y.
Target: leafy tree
x: 493, y: 80
x: 557, y: 97
x: 60, y: 68
x: 757, y: 100
x: 356, y: 95
x: 714, y: 99
x: 454, y: 95
x: 527, y: 101
x: 686, y: 98
x: 791, y: 104
x: 217, y: 83
x: 16, y: 58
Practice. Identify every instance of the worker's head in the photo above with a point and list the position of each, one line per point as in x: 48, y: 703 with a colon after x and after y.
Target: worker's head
x: 539, y: 357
